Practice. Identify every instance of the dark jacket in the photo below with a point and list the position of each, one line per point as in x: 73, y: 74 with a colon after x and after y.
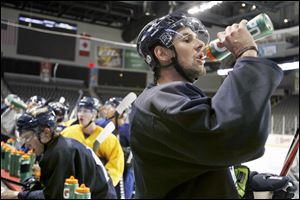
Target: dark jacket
x: 65, y: 157
x: 183, y: 141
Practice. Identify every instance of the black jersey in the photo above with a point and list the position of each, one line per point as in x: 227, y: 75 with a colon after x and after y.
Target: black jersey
x: 65, y: 157
x: 183, y: 141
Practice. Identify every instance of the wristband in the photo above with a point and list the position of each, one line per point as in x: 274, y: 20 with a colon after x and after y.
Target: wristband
x: 243, y: 50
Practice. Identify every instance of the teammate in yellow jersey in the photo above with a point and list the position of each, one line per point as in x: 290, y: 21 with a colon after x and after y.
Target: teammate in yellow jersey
x: 86, y: 132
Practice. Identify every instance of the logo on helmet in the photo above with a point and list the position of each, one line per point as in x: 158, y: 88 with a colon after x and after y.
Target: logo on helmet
x: 166, y: 38
x: 148, y: 59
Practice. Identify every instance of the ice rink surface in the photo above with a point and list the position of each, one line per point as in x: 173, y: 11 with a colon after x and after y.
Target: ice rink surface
x: 272, y: 161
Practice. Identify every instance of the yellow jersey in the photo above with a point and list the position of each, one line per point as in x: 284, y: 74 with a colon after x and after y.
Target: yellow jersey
x: 110, y: 149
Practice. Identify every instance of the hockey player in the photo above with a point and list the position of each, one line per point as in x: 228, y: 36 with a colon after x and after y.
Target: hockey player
x: 61, y: 111
x: 62, y: 158
x: 183, y: 141
x: 86, y: 132
x: 122, y: 132
x: 35, y: 101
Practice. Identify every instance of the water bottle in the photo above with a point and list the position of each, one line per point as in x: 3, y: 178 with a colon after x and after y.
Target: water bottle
x: 70, y: 186
x: 18, y: 162
x: 7, y: 154
x: 15, y: 101
x: 82, y: 192
x: 3, y: 145
x: 25, y: 168
x: 32, y: 158
x: 36, y: 171
x: 14, y: 162
x: 259, y: 27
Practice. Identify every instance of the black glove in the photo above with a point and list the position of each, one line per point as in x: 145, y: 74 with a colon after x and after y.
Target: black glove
x: 281, y: 186
x: 249, y: 189
x: 31, y: 184
x: 127, y: 151
x: 286, y: 193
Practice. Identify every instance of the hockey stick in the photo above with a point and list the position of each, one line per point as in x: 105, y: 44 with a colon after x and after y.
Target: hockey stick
x: 74, y: 111
x: 292, y: 144
x: 125, y: 103
x: 291, y: 155
x: 109, y: 128
x: 12, y: 181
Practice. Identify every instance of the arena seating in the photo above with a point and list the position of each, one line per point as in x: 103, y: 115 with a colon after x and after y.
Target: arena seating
x: 287, y: 112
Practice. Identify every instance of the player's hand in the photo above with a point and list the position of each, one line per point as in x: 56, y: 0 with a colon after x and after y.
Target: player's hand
x: 8, y: 194
x: 236, y: 38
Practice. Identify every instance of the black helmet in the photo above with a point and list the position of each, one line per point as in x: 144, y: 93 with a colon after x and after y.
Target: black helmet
x: 162, y: 31
x: 59, y: 109
x: 36, y: 118
x: 36, y: 99
x: 90, y: 103
x: 114, y: 101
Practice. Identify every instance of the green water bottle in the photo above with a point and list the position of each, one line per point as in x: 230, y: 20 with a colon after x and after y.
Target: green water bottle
x: 12, y: 163
x: 3, y: 145
x: 25, y: 168
x: 15, y: 101
x: 70, y: 186
x: 19, y: 162
x: 7, y: 154
x: 32, y: 159
x: 82, y: 192
x: 15, y: 163
x: 259, y: 27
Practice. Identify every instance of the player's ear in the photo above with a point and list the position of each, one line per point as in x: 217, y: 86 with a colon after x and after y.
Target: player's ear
x: 163, y: 54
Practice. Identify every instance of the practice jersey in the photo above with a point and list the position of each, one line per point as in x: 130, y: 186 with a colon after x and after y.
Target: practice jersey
x: 184, y: 141
x: 65, y: 157
x: 110, y: 149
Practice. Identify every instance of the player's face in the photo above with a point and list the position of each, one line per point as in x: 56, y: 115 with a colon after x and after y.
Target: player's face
x: 109, y: 111
x: 31, y: 141
x: 85, y: 115
x: 189, y: 51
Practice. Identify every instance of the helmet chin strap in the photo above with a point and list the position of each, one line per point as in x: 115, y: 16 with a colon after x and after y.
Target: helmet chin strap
x: 91, y: 121
x: 39, y: 138
x: 178, y: 68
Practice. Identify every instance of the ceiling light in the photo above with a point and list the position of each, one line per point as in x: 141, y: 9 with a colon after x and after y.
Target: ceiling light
x: 203, y: 7
x: 224, y: 72
x: 283, y: 66
x: 243, y: 5
x: 285, y: 20
x: 253, y: 7
x: 289, y: 66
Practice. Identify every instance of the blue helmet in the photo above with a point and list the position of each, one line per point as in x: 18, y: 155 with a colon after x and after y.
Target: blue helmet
x: 36, y: 118
x: 90, y: 103
x: 162, y: 31
x: 114, y: 101
x: 36, y: 99
x: 60, y: 109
